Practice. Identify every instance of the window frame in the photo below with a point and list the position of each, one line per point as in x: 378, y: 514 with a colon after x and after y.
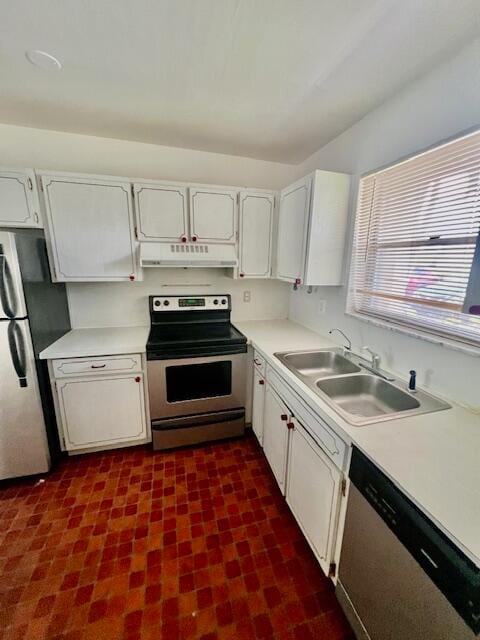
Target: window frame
x: 394, y: 324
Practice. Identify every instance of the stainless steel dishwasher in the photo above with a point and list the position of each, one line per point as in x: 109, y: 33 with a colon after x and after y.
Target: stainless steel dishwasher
x: 400, y: 577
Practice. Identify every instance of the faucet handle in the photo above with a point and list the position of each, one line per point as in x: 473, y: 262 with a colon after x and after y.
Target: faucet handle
x: 375, y: 357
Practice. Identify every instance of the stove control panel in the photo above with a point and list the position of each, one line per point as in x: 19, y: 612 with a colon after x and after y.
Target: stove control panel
x: 191, y: 303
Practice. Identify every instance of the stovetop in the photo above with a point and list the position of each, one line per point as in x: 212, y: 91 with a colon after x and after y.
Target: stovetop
x: 183, y: 327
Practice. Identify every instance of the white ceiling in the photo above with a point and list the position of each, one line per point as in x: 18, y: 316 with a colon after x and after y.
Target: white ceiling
x: 271, y: 79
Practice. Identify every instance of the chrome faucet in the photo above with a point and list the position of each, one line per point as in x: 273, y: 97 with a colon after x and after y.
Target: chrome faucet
x: 348, y: 346
x: 375, y: 362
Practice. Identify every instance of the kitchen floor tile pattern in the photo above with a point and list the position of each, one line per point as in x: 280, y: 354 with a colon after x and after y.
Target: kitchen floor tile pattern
x: 136, y: 545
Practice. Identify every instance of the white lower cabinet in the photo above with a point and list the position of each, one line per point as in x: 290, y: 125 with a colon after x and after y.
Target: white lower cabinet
x: 313, y: 493
x: 97, y: 411
x: 275, y: 435
x: 258, y: 404
x: 308, y: 466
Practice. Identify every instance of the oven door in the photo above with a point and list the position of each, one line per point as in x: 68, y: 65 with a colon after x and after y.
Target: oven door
x: 191, y: 386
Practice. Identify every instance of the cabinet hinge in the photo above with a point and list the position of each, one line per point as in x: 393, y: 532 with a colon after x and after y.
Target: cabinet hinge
x: 30, y: 184
x: 35, y: 215
x: 344, y: 486
x: 332, y: 570
x: 132, y: 189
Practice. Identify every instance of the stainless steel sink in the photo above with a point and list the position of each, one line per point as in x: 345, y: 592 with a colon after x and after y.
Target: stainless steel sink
x: 359, y: 398
x: 367, y: 396
x: 319, y: 364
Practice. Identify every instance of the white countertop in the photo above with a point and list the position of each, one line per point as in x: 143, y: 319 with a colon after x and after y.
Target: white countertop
x: 80, y: 343
x: 434, y: 458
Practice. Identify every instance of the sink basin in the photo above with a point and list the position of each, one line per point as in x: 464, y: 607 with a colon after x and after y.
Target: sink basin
x: 367, y: 396
x: 318, y: 364
x: 360, y: 398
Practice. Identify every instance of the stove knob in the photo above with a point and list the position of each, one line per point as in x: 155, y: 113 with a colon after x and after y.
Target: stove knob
x: 166, y: 303
x: 224, y: 301
x: 215, y: 301
x: 157, y: 303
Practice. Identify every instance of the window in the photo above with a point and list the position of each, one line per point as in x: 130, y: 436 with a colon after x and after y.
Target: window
x: 416, y: 252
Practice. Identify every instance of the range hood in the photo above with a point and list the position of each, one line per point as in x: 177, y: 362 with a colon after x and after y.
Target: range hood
x: 187, y: 254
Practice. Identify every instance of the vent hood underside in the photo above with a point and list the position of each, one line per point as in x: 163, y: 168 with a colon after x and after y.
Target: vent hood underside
x: 188, y: 254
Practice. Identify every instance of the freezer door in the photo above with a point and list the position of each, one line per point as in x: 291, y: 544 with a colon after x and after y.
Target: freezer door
x: 23, y: 440
x: 12, y: 301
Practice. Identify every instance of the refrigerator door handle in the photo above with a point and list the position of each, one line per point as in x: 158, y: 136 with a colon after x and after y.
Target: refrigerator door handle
x: 16, y: 344
x: 7, y: 292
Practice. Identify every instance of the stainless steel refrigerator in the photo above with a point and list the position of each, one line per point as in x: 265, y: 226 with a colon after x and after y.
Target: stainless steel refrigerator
x: 33, y: 314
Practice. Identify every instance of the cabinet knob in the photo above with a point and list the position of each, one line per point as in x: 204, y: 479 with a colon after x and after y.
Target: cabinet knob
x: 290, y: 425
x: 261, y: 382
x: 183, y: 238
x: 284, y: 417
x: 194, y: 238
x: 131, y: 277
x: 137, y: 379
x: 242, y: 275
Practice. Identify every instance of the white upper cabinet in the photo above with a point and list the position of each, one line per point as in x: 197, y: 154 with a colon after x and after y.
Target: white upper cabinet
x: 292, y: 230
x: 90, y: 228
x: 255, y: 234
x: 213, y: 214
x: 313, y: 217
x: 19, y: 205
x: 161, y: 211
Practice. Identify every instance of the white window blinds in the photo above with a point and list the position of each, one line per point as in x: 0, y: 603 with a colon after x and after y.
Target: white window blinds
x: 416, y: 253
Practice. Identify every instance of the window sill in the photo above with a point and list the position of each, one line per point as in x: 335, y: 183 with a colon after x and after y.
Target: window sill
x: 440, y: 341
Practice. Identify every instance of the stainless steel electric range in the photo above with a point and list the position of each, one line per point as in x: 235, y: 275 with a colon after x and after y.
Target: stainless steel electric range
x: 196, y: 364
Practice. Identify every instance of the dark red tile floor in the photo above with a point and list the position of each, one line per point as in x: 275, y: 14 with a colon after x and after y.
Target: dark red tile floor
x: 134, y: 545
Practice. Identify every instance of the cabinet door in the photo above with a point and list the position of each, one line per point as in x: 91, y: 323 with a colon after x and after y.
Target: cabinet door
x: 101, y: 411
x: 275, y: 435
x: 293, y: 222
x: 258, y: 405
x: 161, y: 212
x: 90, y: 226
x: 18, y: 199
x: 313, y: 494
x: 213, y: 214
x: 255, y: 237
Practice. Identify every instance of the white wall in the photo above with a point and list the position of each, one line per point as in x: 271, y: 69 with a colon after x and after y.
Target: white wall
x: 44, y: 149
x: 126, y: 303
x: 435, y: 107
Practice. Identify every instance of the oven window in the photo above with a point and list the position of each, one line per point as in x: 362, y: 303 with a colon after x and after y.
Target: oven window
x: 197, y: 381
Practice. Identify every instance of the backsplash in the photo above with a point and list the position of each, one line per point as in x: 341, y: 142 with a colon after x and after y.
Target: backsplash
x: 126, y: 304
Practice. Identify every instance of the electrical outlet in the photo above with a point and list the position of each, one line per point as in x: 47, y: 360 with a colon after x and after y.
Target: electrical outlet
x: 247, y: 296
x: 322, y: 306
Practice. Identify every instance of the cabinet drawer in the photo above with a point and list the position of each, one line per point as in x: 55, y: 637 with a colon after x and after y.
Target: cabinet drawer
x: 259, y: 362
x: 66, y: 368
x: 325, y: 437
